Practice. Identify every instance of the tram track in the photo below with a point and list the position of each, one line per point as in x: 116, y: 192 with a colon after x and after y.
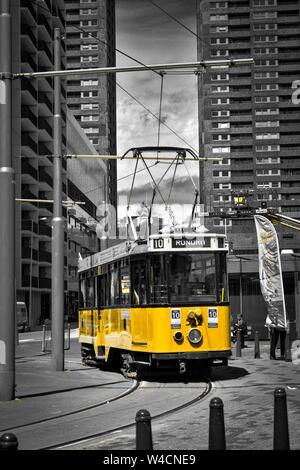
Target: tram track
x: 134, y: 386
x: 67, y: 444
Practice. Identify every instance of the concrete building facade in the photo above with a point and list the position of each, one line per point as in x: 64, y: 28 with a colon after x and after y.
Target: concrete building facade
x: 33, y: 101
x: 248, y: 118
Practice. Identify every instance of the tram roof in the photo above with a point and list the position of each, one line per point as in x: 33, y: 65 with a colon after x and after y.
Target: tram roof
x: 166, y: 242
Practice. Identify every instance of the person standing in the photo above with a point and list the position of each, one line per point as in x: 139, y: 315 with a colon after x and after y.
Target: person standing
x: 276, y: 332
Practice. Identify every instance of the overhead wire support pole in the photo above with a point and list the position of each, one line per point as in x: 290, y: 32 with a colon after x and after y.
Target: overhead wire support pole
x: 7, y: 211
x: 57, y: 317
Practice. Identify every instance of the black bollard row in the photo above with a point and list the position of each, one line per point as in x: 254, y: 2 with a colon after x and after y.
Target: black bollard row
x: 143, y: 430
x: 281, y: 427
x: 216, y: 440
x: 8, y: 441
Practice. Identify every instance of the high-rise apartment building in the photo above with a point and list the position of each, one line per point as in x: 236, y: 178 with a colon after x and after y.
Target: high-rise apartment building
x: 247, y: 116
x: 33, y: 102
x: 90, y: 39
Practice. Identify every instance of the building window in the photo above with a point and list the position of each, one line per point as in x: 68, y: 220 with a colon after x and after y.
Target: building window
x: 266, y: 63
x: 217, y: 101
x: 219, y: 41
x: 264, y: 3
x: 266, y: 50
x: 266, y: 87
x: 89, y: 118
x: 267, y: 124
x: 215, y: 5
x: 220, y: 137
x: 89, y: 47
x: 219, y: 53
x: 266, y: 99
x: 264, y: 14
x: 89, y: 58
x: 220, y: 89
x: 221, y: 125
x: 218, y: 17
x: 215, y: 77
x: 87, y: 106
x: 89, y: 11
x: 89, y: 82
x: 267, y: 148
x: 91, y: 130
x: 89, y: 94
x: 267, y: 136
x: 266, y: 112
x: 266, y: 75
x: 221, y: 150
x: 220, y: 114
x: 89, y: 23
x: 264, y: 27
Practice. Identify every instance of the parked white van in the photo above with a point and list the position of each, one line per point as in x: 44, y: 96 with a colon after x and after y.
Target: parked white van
x: 22, y: 317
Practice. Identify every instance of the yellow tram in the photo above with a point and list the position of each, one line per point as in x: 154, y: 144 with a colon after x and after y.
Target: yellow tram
x: 158, y: 303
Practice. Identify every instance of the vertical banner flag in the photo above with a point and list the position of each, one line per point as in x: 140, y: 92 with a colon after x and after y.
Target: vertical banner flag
x: 270, y: 273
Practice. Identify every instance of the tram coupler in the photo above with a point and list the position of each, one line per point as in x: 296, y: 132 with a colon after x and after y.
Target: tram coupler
x: 182, y: 367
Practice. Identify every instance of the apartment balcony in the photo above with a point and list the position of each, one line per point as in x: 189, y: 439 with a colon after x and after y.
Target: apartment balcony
x: 45, y: 230
x: 29, y: 253
x: 29, y: 12
x: 29, y: 226
x: 44, y: 177
x: 28, y: 169
x: 45, y: 257
x: 27, y: 141
x: 30, y: 281
x: 29, y: 115
x: 44, y: 283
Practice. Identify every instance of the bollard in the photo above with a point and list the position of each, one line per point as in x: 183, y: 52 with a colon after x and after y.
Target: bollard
x: 68, y: 342
x: 281, y: 426
x: 216, y: 425
x: 256, y: 346
x: 143, y: 430
x: 44, y: 338
x: 287, y: 354
x: 8, y: 441
x: 238, y: 351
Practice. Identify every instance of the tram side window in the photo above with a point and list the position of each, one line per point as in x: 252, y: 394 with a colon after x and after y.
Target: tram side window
x: 125, y: 285
x: 103, y: 290
x: 90, y: 292
x: 114, y: 284
x: 82, y: 294
x: 139, y: 282
x: 158, y: 285
x: 222, y: 278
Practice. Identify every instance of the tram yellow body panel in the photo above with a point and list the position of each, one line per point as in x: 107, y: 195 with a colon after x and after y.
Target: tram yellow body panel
x: 150, y: 329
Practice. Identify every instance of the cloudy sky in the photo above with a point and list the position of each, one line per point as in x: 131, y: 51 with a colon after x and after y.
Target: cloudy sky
x: 147, y: 34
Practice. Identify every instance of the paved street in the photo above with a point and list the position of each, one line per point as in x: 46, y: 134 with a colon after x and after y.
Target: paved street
x: 246, y: 387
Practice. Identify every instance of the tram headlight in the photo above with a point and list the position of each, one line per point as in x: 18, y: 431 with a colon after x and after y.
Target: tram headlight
x: 178, y: 336
x: 194, y: 336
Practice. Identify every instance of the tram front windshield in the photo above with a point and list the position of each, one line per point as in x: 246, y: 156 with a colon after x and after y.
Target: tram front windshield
x: 196, y: 277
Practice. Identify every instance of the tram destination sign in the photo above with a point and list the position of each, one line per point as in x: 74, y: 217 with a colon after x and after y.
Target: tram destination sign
x: 178, y: 243
x: 185, y: 242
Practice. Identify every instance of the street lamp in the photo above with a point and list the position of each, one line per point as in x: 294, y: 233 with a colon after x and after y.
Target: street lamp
x: 241, y: 283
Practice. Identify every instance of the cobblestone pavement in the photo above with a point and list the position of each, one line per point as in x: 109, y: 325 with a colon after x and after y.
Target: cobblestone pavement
x: 246, y: 388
